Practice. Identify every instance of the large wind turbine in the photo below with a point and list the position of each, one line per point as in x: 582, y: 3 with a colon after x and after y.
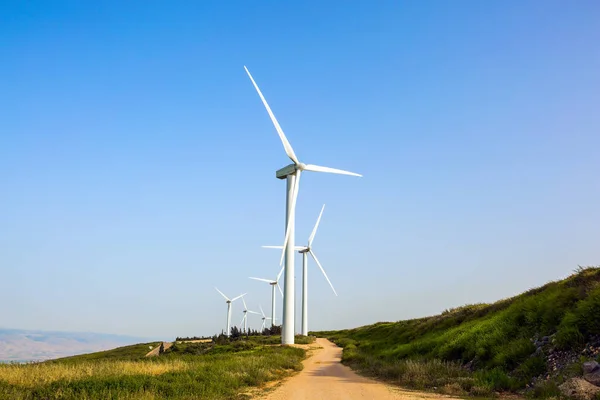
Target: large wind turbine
x: 245, y: 319
x: 273, y: 284
x: 264, y: 319
x: 292, y: 173
x: 305, y: 250
x: 229, y: 301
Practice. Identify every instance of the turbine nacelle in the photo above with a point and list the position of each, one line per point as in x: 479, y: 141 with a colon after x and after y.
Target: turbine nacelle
x: 303, y: 249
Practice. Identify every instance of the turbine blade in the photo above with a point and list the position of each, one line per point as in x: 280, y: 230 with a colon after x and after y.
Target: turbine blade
x: 235, y: 298
x: 314, y: 232
x: 243, y: 319
x: 261, y: 310
x: 272, y: 247
x: 253, y: 312
x: 245, y: 306
x: 279, y: 274
x: 226, y: 298
x: 318, y: 168
x: 286, y: 144
x: 322, y: 270
x: 292, y: 212
x: 263, y: 280
x: 280, y: 291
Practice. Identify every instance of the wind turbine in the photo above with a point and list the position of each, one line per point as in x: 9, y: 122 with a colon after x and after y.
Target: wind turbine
x: 273, y: 284
x: 305, y: 250
x: 264, y: 319
x: 292, y: 173
x: 229, y: 301
x: 246, y: 311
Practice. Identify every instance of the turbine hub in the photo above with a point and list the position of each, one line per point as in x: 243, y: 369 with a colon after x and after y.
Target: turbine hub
x: 300, y: 166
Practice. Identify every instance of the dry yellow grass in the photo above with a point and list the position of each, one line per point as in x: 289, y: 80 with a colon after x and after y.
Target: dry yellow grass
x: 44, y: 373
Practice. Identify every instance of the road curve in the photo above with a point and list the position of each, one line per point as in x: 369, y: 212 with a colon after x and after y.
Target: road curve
x: 324, y: 377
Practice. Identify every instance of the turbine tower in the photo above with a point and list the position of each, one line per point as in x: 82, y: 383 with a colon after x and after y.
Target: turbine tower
x: 273, y: 284
x: 229, y: 301
x: 305, y: 250
x: 245, y: 319
x: 292, y: 173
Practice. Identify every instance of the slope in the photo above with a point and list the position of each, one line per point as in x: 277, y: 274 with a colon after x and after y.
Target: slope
x: 532, y: 341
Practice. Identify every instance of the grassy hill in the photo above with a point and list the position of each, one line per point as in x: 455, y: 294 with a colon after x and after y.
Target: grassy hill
x: 531, y: 342
x: 185, y: 371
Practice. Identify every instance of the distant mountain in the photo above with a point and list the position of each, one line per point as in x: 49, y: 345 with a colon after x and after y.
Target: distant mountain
x: 29, y: 345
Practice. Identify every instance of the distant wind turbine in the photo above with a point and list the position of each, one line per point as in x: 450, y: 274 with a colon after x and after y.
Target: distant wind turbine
x: 264, y: 319
x: 273, y: 283
x: 292, y: 173
x: 245, y: 319
x: 305, y: 250
x: 229, y: 301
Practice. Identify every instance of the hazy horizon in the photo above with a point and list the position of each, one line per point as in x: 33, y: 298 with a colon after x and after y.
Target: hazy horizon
x: 139, y: 162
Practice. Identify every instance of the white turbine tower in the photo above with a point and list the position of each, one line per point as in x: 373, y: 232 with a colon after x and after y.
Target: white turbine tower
x: 245, y: 319
x: 264, y: 319
x: 305, y: 250
x: 292, y: 173
x: 229, y: 301
x: 273, y: 283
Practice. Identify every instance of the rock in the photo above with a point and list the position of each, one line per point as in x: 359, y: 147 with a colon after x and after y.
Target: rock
x: 580, y: 389
x: 593, y: 377
x: 590, y: 366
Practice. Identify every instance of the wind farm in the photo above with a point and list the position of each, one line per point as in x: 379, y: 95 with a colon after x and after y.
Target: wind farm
x: 296, y: 200
x: 291, y: 173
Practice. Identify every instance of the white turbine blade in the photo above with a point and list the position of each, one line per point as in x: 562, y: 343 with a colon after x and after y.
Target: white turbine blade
x: 286, y: 145
x: 279, y: 287
x: 243, y: 319
x: 322, y: 270
x: 281, y: 247
x: 226, y: 298
x: 253, y: 312
x: 245, y: 306
x: 262, y: 280
x: 314, y: 232
x: 279, y: 274
x: 261, y: 310
x: 292, y: 212
x: 318, y: 168
x: 235, y: 298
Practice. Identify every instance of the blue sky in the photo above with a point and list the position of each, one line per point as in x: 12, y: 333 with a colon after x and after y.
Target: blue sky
x: 138, y: 163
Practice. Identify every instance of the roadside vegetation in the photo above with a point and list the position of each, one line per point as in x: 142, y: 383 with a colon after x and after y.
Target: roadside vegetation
x: 530, y: 343
x: 185, y: 371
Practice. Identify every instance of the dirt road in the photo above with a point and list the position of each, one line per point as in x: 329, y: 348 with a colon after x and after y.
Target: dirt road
x: 324, y: 377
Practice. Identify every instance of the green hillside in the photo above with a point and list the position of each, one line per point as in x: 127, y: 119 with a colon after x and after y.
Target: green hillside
x: 132, y: 352
x: 529, y: 343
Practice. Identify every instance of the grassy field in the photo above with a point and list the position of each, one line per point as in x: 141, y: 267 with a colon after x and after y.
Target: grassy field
x: 482, y: 348
x: 222, y: 372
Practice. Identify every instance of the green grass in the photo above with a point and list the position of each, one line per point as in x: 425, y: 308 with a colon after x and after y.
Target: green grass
x: 495, y: 338
x: 133, y: 352
x: 225, y: 372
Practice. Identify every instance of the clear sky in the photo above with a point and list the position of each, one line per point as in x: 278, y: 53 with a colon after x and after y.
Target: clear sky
x: 137, y: 163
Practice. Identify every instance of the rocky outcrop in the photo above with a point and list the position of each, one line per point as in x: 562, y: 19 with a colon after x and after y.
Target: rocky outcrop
x: 579, y: 389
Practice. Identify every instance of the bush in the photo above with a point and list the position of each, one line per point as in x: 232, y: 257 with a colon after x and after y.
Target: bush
x: 496, y: 379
